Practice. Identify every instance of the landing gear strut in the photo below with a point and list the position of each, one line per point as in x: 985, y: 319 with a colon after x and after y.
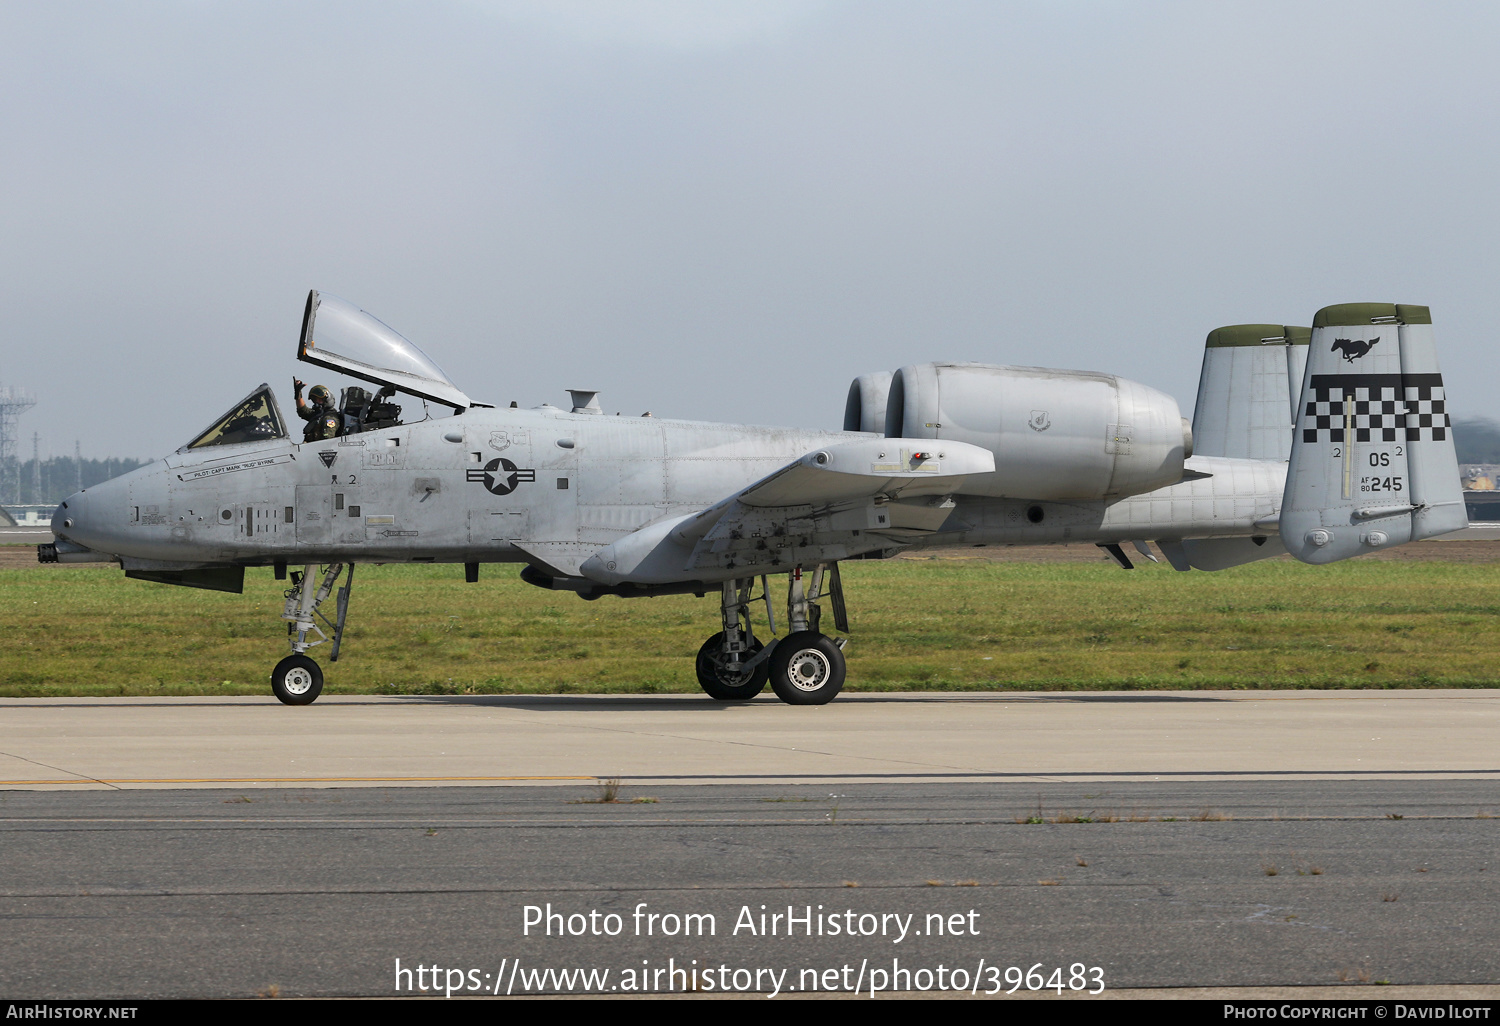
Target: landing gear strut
x: 804, y: 668
x: 732, y: 664
x: 297, y: 679
x: 807, y: 667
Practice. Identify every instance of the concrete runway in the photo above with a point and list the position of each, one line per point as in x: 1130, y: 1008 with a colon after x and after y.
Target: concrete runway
x: 1283, y: 844
x: 343, y: 741
x: 1353, y: 889
x: 20, y: 534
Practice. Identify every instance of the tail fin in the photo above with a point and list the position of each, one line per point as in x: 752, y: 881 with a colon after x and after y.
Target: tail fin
x: 1248, y: 391
x: 1373, y: 463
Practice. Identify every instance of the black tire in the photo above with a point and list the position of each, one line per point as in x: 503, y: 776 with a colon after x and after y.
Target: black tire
x: 807, y: 668
x: 715, y: 678
x: 297, y: 680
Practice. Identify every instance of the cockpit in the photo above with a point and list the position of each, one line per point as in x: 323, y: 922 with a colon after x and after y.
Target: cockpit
x: 361, y: 411
x: 339, y: 336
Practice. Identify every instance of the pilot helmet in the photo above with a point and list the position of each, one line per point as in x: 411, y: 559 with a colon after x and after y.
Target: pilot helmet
x: 320, y: 394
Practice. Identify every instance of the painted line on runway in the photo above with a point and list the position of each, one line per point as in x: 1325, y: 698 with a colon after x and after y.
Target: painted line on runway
x: 1012, y: 774
x: 1083, y: 775
x: 268, y: 780
x: 41, y: 825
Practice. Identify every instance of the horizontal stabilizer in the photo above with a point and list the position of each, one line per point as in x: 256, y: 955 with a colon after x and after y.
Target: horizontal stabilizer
x: 1220, y: 553
x: 1373, y: 462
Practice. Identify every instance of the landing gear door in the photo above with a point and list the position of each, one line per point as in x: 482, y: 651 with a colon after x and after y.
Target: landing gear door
x: 340, y: 336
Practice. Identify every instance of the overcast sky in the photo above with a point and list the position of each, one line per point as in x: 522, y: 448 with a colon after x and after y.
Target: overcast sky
x: 721, y: 210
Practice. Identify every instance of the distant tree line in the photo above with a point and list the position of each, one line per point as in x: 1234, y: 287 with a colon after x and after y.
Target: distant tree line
x: 1477, y: 439
x: 25, y: 484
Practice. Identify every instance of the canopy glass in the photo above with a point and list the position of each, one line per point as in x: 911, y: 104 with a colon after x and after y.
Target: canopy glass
x: 256, y: 418
x: 340, y: 336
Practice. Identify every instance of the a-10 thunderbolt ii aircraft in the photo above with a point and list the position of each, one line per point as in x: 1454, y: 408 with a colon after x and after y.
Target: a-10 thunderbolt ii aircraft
x: 1326, y: 443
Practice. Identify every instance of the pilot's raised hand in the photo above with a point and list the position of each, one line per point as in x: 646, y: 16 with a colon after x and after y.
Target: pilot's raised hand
x: 297, y: 385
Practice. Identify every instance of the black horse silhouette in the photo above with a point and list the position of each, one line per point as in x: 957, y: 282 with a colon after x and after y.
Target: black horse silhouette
x: 1353, y: 349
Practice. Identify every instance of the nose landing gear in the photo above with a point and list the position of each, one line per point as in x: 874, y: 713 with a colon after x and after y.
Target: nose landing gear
x: 297, y: 679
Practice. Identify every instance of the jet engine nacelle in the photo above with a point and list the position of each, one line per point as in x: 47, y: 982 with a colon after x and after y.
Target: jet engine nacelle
x: 1056, y: 434
x: 865, y: 408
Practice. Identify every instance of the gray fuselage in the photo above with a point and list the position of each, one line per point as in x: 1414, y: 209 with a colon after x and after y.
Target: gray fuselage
x: 500, y: 485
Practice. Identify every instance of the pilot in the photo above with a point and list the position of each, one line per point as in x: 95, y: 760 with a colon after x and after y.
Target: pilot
x: 322, y: 419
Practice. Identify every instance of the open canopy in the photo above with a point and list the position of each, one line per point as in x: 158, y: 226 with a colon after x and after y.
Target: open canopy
x: 340, y: 336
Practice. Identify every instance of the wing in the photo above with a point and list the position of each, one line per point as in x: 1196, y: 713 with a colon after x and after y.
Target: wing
x: 837, y: 502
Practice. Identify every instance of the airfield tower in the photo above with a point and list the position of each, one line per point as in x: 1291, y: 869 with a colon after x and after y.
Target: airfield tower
x: 13, y: 403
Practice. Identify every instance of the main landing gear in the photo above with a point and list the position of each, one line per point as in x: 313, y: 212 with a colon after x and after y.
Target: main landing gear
x: 297, y: 679
x: 804, y: 668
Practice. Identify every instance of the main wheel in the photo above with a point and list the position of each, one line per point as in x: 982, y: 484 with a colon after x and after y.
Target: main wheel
x: 717, y: 677
x: 807, y: 668
x: 297, y: 680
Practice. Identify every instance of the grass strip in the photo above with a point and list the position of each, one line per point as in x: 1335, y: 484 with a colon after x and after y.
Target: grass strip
x: 933, y: 625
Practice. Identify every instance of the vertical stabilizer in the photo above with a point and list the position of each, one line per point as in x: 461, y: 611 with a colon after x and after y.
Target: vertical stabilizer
x: 1250, y: 372
x: 1436, y: 489
x: 1297, y: 342
x: 1373, y: 463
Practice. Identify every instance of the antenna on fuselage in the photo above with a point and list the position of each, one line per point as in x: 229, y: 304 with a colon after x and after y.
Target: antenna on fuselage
x: 586, y: 400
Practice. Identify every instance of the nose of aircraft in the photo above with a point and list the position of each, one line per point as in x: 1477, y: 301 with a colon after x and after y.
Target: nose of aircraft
x: 98, y: 517
x: 60, y: 519
x: 77, y: 519
x: 125, y: 517
x: 69, y: 548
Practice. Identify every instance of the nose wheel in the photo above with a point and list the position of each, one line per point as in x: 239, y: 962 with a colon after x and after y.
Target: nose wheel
x: 297, y: 680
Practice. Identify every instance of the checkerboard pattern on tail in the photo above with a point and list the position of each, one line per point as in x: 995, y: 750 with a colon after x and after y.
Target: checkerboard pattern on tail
x: 1385, y: 408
